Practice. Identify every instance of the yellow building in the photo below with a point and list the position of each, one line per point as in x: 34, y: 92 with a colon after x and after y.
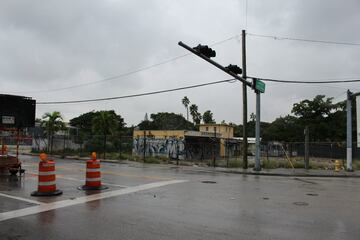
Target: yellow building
x: 160, y: 134
x: 222, y: 131
x: 212, y: 140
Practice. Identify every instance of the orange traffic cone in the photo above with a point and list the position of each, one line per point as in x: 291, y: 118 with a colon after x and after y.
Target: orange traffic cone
x: 47, y: 177
x: 93, y: 175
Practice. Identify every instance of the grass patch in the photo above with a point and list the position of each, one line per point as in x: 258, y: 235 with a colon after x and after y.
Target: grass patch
x: 152, y: 160
x: 235, y: 164
x: 356, y: 165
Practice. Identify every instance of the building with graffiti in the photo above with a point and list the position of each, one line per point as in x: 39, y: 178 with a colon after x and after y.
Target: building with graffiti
x: 212, y: 140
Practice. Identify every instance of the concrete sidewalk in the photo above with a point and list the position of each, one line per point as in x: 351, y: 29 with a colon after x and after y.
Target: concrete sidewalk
x: 283, y: 172
x: 293, y: 172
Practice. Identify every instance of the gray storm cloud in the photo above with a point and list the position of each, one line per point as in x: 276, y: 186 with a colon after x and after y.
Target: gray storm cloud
x: 55, y: 44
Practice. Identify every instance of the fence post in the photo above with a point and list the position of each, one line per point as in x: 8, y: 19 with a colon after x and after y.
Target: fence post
x: 177, y: 153
x: 144, y: 152
x: 267, y: 154
x: 306, y: 155
x: 63, y: 151
x: 104, y: 155
x: 227, y: 152
x: 214, y: 152
x: 120, y: 147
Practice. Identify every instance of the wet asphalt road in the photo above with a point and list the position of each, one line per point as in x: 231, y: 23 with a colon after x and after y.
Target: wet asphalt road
x: 228, y: 206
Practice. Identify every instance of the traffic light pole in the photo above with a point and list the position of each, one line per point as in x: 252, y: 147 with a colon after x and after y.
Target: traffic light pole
x: 244, y: 93
x: 197, y: 52
x: 348, y: 132
x: 350, y: 95
x: 257, y: 133
x: 215, y: 64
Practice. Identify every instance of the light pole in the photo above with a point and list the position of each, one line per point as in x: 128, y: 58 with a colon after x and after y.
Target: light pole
x: 206, y: 53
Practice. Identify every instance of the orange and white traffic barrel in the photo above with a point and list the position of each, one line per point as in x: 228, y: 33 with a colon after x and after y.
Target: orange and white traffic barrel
x: 93, y: 175
x: 46, y: 178
x: 4, y: 150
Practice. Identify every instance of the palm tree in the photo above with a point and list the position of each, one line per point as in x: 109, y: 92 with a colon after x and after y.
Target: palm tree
x: 106, y: 124
x: 208, y: 117
x: 196, y: 116
x: 52, y: 122
x: 185, y: 101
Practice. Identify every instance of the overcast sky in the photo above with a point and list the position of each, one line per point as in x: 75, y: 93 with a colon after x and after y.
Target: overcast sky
x: 47, y: 45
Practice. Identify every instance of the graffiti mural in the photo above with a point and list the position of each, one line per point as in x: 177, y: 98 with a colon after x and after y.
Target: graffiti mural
x: 172, y: 148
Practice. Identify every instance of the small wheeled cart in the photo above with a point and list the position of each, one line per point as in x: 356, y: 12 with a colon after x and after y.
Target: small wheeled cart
x: 17, y: 113
x: 9, y: 162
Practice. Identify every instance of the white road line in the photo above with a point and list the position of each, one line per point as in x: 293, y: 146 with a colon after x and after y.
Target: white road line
x: 20, y: 198
x: 70, y: 202
x: 82, y: 180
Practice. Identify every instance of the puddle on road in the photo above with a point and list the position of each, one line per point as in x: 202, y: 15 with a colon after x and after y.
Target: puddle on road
x: 305, y: 181
x: 206, y: 181
x: 312, y: 194
x: 300, y: 203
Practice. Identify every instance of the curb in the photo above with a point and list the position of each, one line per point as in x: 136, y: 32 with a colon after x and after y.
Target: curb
x: 291, y: 175
x: 274, y: 174
x: 71, y: 157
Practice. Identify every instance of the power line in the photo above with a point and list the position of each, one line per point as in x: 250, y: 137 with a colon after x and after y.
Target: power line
x: 246, y: 14
x: 232, y: 80
x: 124, y: 74
x: 309, y: 81
x: 303, y: 39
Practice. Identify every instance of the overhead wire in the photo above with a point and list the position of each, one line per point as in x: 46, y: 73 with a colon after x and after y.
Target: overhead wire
x: 309, y: 81
x: 303, y: 39
x: 232, y: 80
x: 141, y: 69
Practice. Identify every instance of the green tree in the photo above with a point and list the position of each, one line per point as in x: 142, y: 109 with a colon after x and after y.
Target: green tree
x: 196, y: 116
x: 91, y: 132
x: 106, y: 123
x: 166, y: 121
x: 285, y: 129
x: 52, y: 122
x: 185, y: 101
x: 84, y: 122
x: 320, y: 115
x: 208, y: 117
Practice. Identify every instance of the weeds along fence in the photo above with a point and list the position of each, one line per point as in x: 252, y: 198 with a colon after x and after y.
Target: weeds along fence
x: 109, y: 146
x: 280, y: 154
x: 206, y: 152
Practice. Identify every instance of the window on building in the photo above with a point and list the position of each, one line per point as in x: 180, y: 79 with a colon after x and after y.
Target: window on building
x: 207, y: 129
x: 214, y: 129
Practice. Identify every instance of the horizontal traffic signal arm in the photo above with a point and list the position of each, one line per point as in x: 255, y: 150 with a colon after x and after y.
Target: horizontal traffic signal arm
x: 198, y: 53
x: 234, y: 68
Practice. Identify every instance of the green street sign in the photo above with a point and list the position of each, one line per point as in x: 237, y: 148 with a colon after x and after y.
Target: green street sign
x: 259, y: 85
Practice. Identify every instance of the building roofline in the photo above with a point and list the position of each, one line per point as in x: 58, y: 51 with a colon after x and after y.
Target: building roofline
x: 215, y: 124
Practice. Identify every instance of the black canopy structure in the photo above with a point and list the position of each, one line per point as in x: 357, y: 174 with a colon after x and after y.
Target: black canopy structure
x: 17, y: 111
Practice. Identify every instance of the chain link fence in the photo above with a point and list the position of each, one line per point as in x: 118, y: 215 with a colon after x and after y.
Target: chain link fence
x: 107, y: 147
x: 197, y: 151
x: 292, y: 154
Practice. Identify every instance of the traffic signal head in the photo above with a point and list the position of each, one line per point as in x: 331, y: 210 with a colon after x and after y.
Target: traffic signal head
x: 234, y: 69
x: 205, y: 50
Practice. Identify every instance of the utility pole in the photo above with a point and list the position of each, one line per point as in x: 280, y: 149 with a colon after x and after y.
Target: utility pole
x: 257, y: 132
x: 244, y: 92
x: 214, y: 148
x: 348, y: 132
x: 349, y: 98
x: 204, y: 52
